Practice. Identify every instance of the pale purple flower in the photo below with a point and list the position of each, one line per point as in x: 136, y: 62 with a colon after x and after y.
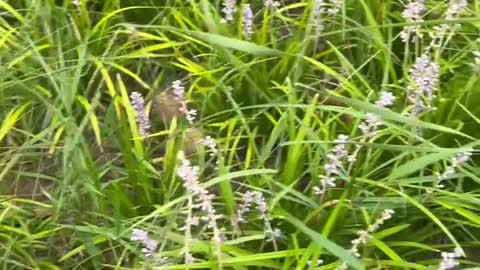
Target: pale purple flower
x: 413, y: 10
x: 372, y: 122
x: 149, y: 245
x: 449, y: 259
x: 250, y: 198
x: 386, y: 99
x: 365, y: 235
x: 425, y: 75
x: 369, y: 126
x: 273, y: 233
x: 456, y: 162
x: 412, y: 14
x: 139, y: 235
x: 333, y: 165
x: 247, y: 200
x: 261, y: 204
x: 247, y: 21
x: 229, y: 10
x: 203, y: 199
x: 141, y: 116
x: 178, y: 90
x: 271, y: 4
x: 179, y: 95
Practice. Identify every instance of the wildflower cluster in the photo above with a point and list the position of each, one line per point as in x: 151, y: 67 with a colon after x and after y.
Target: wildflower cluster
x: 370, y: 126
x: 372, y: 121
x: 316, y: 263
x: 256, y: 197
x: 179, y: 95
x: 210, y: 143
x: 200, y: 199
x: 271, y: 4
x: 247, y: 21
x: 412, y: 14
x: 365, y: 235
x: 141, y: 116
x: 425, y: 75
x: 149, y: 245
x: 334, y: 7
x: 333, y: 166
x: 321, y: 8
x: 449, y: 259
x: 456, y: 162
x: 455, y: 9
x: 229, y: 10
x: 328, y: 7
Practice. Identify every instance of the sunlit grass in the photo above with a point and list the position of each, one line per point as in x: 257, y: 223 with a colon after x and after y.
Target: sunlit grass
x: 78, y: 175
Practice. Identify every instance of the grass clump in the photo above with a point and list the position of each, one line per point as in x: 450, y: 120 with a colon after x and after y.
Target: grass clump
x: 175, y: 134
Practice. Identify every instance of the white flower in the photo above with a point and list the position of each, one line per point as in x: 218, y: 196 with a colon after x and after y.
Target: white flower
x: 209, y: 142
x: 333, y: 165
x: 456, y: 8
x: 179, y: 95
x: 365, y: 235
x: 449, y: 259
x: 372, y: 121
x: 271, y: 4
x: 456, y: 162
x: 335, y: 7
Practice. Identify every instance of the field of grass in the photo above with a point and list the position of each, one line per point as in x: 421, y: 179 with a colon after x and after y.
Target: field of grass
x: 210, y: 134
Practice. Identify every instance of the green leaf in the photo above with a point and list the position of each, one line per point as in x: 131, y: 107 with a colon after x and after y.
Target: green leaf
x: 12, y: 117
x: 333, y: 248
x: 390, y: 115
x: 236, y: 44
x: 420, y: 163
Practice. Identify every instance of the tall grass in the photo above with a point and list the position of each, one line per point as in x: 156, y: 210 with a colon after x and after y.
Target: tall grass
x: 307, y: 135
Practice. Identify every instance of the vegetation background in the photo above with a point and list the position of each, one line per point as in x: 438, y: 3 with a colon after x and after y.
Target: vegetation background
x: 274, y: 91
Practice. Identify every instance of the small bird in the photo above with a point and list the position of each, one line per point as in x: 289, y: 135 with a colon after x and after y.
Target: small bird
x: 165, y: 107
x: 191, y: 141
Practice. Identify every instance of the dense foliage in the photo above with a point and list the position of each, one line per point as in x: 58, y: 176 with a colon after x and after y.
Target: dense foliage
x: 197, y: 134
